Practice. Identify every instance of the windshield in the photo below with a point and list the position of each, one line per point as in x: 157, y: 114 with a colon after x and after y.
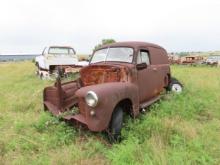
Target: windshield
x: 118, y: 54
x: 56, y: 50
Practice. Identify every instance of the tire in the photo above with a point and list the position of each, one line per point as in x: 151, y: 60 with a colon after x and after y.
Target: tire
x: 41, y: 76
x: 38, y: 69
x: 115, y: 125
x: 175, y: 86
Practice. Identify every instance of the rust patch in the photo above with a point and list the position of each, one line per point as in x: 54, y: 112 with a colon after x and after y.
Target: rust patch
x: 97, y: 74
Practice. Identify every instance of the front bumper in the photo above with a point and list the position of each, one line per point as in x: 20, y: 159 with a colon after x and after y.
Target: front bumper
x: 78, y: 118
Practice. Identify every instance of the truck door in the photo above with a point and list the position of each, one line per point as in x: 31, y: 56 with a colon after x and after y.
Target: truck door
x: 146, y: 76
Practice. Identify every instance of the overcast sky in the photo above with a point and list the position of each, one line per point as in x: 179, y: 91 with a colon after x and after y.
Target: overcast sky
x: 27, y: 26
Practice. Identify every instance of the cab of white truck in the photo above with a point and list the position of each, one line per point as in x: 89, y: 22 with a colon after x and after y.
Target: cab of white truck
x: 53, y: 57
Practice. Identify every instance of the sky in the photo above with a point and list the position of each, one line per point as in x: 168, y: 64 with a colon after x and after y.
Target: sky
x: 27, y: 26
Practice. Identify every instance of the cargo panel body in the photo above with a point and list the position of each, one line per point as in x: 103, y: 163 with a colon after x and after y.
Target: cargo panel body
x: 114, y: 83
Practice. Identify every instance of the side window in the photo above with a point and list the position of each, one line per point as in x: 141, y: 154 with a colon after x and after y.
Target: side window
x: 143, y: 57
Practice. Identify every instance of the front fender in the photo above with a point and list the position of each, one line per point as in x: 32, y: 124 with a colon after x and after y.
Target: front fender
x: 41, y: 62
x: 109, y: 95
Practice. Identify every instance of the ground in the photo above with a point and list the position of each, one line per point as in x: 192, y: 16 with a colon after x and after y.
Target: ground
x: 179, y: 129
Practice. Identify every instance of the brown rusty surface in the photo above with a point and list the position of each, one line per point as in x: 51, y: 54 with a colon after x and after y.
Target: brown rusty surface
x: 114, y: 83
x: 61, y: 96
x: 66, y: 68
x: 97, y: 74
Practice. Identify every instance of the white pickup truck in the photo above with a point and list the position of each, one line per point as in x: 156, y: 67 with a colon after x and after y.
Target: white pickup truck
x: 213, y: 60
x: 58, y: 60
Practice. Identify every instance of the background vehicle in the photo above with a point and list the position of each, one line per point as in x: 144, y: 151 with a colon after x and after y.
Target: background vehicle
x: 122, y: 78
x: 54, y: 57
x: 174, y: 59
x: 190, y: 60
x: 213, y: 60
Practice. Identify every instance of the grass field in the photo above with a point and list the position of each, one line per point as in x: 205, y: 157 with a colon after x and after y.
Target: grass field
x: 180, y: 129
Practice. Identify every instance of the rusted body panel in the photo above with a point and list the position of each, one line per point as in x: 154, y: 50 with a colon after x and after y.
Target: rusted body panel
x: 59, y: 98
x: 159, y: 78
x: 113, y: 83
x: 110, y: 95
x: 97, y: 74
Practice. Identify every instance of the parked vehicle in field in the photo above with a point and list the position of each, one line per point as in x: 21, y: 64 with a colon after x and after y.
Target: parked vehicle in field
x: 123, y: 77
x: 174, y: 59
x: 193, y: 59
x: 213, y: 60
x: 54, y: 57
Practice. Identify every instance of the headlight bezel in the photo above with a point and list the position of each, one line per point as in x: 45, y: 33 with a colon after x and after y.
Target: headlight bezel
x: 91, y: 95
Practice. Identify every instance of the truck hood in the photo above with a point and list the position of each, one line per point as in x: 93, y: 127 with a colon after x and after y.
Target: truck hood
x: 103, y: 73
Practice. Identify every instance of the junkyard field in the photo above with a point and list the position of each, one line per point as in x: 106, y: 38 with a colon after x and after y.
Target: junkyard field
x: 180, y: 129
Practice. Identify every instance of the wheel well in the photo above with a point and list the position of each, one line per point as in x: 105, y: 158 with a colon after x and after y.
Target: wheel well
x: 126, y: 105
x: 167, y: 80
x: 169, y: 76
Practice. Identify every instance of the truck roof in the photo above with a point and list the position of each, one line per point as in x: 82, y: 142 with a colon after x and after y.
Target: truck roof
x: 54, y: 46
x: 134, y: 44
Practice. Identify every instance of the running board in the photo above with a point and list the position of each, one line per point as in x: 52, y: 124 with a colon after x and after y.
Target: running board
x: 146, y: 104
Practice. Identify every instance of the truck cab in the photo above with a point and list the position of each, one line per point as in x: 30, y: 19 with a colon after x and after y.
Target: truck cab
x: 54, y: 57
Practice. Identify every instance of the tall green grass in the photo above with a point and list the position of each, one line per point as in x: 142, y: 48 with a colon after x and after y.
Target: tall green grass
x: 179, y: 129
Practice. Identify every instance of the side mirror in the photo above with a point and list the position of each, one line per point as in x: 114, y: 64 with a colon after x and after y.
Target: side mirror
x: 141, y: 66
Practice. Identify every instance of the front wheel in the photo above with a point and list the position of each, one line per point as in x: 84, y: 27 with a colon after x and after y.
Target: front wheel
x: 175, y: 86
x: 114, y: 133
x: 38, y: 69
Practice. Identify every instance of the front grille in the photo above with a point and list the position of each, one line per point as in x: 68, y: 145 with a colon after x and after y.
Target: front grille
x: 82, y: 106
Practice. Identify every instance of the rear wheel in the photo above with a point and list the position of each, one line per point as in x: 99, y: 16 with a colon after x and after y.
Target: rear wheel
x: 115, y: 126
x: 175, y: 86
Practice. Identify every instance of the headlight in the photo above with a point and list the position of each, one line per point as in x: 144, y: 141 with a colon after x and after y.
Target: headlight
x: 91, y: 99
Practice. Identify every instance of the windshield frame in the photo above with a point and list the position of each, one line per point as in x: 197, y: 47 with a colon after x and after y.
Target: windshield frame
x: 132, y: 61
x: 74, y: 52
